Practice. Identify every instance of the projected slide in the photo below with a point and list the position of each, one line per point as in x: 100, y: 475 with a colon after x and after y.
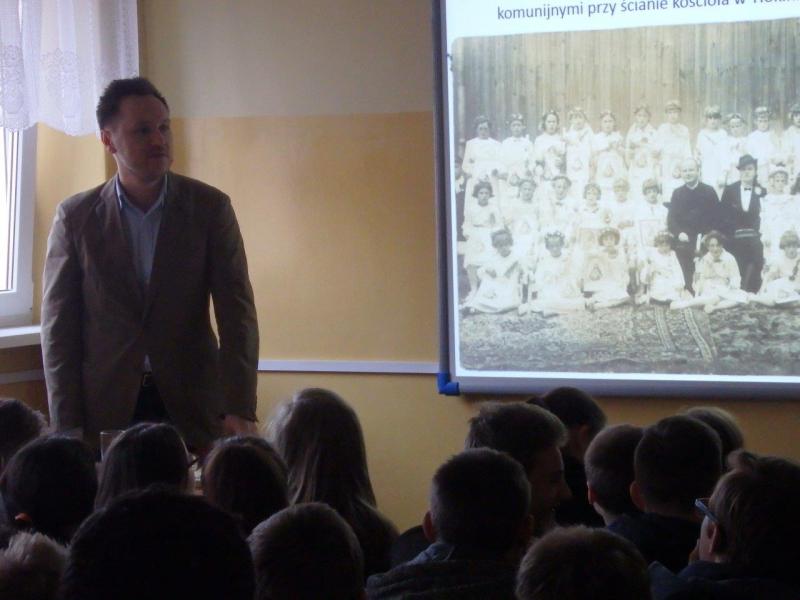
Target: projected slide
x: 622, y: 196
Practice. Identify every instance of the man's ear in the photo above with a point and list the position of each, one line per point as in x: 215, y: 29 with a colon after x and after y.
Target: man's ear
x: 636, y: 495
x: 105, y: 137
x: 428, y: 528
x: 716, y: 539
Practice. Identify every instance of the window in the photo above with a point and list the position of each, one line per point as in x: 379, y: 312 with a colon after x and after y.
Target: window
x: 17, y: 195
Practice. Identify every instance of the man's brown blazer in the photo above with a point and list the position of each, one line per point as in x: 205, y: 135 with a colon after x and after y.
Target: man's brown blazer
x: 98, y: 325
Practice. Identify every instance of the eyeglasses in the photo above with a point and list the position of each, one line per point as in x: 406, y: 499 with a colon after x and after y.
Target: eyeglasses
x: 701, y: 504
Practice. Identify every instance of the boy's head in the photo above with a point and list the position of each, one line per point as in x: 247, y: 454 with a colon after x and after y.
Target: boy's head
x: 533, y: 437
x: 677, y: 460
x: 578, y: 563
x: 609, y: 470
x: 723, y: 422
x: 480, y: 500
x: 754, y: 526
x: 305, y: 552
x: 502, y: 241
x: 19, y: 424
x: 160, y: 545
x: 579, y: 413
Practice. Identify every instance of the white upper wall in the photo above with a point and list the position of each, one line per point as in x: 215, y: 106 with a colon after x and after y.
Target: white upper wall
x: 231, y: 58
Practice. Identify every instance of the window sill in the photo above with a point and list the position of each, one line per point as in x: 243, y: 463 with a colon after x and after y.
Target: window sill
x: 17, y: 337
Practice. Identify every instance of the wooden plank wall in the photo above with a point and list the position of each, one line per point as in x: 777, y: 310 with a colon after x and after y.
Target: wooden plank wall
x: 736, y: 65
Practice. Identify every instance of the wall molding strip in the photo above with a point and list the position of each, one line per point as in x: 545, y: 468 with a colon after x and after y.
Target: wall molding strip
x: 348, y: 366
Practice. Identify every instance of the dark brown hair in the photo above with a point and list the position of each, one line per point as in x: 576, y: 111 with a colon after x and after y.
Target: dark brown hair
x: 609, y: 467
x: 724, y: 423
x: 19, y: 424
x: 117, y: 90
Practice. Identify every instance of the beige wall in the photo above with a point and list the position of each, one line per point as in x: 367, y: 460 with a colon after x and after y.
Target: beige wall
x: 315, y: 117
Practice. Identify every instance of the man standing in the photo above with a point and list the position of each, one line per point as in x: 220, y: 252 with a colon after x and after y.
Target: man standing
x: 130, y: 268
x: 692, y: 212
x: 740, y: 220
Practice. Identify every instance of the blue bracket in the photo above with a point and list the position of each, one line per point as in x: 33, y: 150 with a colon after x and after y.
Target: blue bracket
x: 447, y: 387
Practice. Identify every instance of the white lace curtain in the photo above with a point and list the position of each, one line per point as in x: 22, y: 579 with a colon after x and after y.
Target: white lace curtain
x: 57, y: 56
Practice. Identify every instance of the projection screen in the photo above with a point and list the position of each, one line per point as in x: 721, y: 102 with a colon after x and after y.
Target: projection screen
x: 618, y: 195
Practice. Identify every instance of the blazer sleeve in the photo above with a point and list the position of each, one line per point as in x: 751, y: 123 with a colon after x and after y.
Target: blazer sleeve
x: 62, y: 346
x: 235, y: 314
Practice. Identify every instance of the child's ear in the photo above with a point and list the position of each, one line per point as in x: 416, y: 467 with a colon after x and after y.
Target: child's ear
x: 428, y: 528
x: 636, y: 495
x: 591, y: 496
x: 717, y: 542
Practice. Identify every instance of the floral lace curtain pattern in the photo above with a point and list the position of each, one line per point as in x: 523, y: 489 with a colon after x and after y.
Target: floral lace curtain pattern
x: 57, y: 56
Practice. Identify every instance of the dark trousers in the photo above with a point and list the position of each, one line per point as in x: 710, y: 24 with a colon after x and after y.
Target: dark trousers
x: 749, y: 255
x: 149, y: 406
x: 685, y: 253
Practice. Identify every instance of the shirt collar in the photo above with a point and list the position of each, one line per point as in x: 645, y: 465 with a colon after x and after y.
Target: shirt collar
x: 123, y: 201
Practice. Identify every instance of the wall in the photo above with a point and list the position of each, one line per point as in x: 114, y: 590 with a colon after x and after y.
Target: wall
x: 315, y: 117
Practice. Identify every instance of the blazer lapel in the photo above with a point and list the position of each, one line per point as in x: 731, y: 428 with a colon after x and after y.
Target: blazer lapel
x: 173, y: 225
x: 113, y: 249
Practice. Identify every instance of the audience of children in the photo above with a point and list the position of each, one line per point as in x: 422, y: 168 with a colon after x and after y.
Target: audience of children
x: 492, y: 525
x: 527, y: 188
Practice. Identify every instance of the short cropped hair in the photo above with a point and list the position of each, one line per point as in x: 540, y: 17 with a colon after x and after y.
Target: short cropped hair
x: 31, y: 567
x: 519, y: 429
x: 677, y: 460
x: 578, y: 563
x: 756, y: 505
x: 609, y: 467
x: 307, y: 552
x: 142, y: 455
x: 246, y: 477
x: 53, y: 481
x: 575, y: 408
x: 111, y: 98
x: 480, y: 498
x: 161, y: 545
x: 724, y: 423
x: 19, y: 424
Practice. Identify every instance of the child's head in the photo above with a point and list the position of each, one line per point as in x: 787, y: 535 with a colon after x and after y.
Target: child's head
x: 554, y: 242
x: 672, y: 110
x: 651, y: 190
x: 526, y: 189
x: 483, y: 127
x: 19, y: 424
x: 609, y: 469
x: 577, y: 118
x: 677, y: 460
x: 790, y: 243
x: 663, y: 242
x: 641, y: 114
x: 762, y: 116
x: 723, y: 422
x: 578, y: 562
x: 778, y: 179
x: 736, y: 125
x: 483, y: 191
x: 621, y: 188
x: 713, y: 243
x: 502, y: 241
x: 516, y: 124
x: 550, y: 121
x: 608, y: 121
x: 609, y: 237
x: 592, y: 193
x: 579, y: 413
x: 713, y: 116
x: 794, y: 114
x: 561, y: 185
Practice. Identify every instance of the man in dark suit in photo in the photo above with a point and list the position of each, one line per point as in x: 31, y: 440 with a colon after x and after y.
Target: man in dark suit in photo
x: 740, y: 220
x: 692, y: 213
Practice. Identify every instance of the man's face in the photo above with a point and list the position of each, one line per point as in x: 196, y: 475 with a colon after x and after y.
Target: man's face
x: 548, y: 488
x: 689, y: 172
x: 140, y: 139
x: 560, y: 187
x: 748, y: 174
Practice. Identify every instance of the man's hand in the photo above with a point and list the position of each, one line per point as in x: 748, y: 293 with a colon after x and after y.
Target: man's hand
x: 233, y: 425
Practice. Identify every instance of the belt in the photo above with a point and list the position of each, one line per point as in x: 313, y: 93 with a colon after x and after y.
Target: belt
x: 147, y: 380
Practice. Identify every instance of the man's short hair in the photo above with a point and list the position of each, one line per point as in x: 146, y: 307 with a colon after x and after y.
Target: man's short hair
x: 161, y: 545
x: 677, y: 460
x: 53, y: 481
x: 19, y: 424
x: 519, y: 429
x: 578, y: 563
x: 480, y: 498
x: 756, y: 508
x: 117, y: 90
x: 246, y: 477
x: 609, y: 467
x: 307, y: 552
x: 724, y: 423
x: 31, y: 567
x: 575, y: 408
